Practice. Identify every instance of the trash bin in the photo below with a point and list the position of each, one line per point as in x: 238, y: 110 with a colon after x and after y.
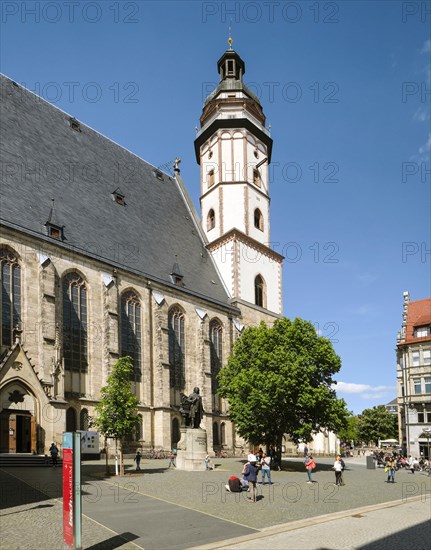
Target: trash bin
x: 371, y: 463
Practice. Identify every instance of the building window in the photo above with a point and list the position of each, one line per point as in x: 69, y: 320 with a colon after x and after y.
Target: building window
x: 176, y: 348
x: 421, y: 418
x: 211, y: 178
x: 216, y: 439
x: 420, y: 332
x: 70, y: 420
x: 429, y: 418
x: 210, y: 220
x: 256, y: 177
x: 83, y: 420
x: 176, y: 433
x: 216, y: 358
x: 75, y: 323
x: 427, y: 356
x: 10, y: 300
x: 131, y: 332
x: 415, y: 358
x: 417, y: 385
x: 258, y: 219
x: 427, y: 384
x: 259, y: 290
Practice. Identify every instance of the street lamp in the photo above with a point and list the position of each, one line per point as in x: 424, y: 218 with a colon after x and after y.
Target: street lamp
x: 427, y: 434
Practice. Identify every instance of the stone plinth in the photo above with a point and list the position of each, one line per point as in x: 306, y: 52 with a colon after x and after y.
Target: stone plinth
x: 192, y: 449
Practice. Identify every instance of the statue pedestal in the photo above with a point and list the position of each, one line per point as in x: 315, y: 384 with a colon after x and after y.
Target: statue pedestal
x: 192, y: 449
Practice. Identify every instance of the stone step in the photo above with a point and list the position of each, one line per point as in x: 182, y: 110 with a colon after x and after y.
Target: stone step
x: 26, y: 460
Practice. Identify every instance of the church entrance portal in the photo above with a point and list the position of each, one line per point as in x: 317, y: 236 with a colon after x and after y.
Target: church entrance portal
x: 17, y: 432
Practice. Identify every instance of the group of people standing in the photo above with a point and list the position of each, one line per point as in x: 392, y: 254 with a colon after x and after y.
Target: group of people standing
x: 249, y: 473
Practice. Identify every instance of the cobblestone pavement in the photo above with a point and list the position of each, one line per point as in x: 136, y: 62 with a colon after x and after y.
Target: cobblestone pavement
x: 165, y: 508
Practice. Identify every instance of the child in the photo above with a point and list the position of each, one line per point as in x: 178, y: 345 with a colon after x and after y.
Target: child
x: 172, y: 459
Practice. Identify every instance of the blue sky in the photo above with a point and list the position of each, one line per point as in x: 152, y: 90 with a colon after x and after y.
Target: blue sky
x: 344, y: 87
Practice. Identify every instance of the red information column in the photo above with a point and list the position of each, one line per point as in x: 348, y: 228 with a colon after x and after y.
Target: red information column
x: 68, y: 492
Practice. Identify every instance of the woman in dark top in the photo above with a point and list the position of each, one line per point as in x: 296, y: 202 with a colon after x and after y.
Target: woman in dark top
x: 250, y: 474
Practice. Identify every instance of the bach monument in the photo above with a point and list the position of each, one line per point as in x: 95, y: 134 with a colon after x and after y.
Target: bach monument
x: 192, y: 447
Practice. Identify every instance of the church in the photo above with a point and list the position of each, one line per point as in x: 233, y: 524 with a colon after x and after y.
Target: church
x: 103, y: 256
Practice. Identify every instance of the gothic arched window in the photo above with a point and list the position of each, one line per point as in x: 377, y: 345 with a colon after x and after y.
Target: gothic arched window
x: 216, y: 358
x: 176, y: 433
x: 259, y: 291
x: 258, y: 219
x: 75, y: 334
x: 139, y: 432
x: 83, y: 420
x: 210, y: 220
x: 70, y: 420
x: 131, y: 332
x: 10, y: 299
x: 176, y: 348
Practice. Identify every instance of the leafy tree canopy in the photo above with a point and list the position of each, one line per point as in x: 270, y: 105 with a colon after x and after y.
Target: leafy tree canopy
x: 117, y: 414
x: 350, y: 432
x: 278, y: 381
x: 377, y: 423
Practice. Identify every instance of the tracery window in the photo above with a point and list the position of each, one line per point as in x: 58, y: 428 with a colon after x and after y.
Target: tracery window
x: 259, y: 291
x: 75, y: 328
x: 131, y: 332
x: 10, y: 274
x: 176, y: 348
x: 216, y: 358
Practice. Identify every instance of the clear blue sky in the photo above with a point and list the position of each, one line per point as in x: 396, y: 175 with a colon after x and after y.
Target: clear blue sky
x: 344, y: 87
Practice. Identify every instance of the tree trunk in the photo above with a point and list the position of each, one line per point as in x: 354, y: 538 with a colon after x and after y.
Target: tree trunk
x: 106, y: 457
x: 121, y: 458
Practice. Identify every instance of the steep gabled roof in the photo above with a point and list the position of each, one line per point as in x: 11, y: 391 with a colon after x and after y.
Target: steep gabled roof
x: 47, y: 155
x: 418, y: 315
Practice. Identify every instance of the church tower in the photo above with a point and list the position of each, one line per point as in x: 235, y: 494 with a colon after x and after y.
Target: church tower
x: 233, y: 148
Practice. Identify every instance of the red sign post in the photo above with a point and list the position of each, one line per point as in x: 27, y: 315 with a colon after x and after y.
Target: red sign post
x: 72, y: 490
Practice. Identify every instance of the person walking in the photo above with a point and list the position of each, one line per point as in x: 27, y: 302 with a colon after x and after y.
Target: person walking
x: 250, y: 474
x: 305, y: 451
x: 390, y: 469
x: 172, y: 459
x: 309, y: 465
x: 53, y: 451
x: 266, y: 468
x: 137, y: 459
x: 338, y: 467
x: 207, y: 462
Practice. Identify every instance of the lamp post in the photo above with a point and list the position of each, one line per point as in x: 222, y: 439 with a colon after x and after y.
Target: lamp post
x: 427, y: 434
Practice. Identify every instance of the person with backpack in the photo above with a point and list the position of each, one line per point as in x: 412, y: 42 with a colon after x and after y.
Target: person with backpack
x: 53, y: 451
x: 338, y: 467
x: 309, y: 465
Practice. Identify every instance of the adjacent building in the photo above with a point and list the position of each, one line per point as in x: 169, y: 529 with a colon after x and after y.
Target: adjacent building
x: 414, y: 375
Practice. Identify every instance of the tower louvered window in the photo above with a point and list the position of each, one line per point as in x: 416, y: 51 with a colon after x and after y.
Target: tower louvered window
x: 176, y: 348
x: 131, y: 344
x: 10, y: 295
x: 75, y: 328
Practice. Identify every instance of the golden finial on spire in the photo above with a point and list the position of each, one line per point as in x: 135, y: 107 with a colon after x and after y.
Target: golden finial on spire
x: 230, y: 41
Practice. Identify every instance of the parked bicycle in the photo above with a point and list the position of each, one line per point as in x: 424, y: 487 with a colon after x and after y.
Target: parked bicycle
x: 221, y: 454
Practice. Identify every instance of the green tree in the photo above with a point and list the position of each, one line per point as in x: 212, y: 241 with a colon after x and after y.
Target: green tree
x: 278, y: 380
x: 117, y: 414
x: 350, y: 432
x: 377, y: 423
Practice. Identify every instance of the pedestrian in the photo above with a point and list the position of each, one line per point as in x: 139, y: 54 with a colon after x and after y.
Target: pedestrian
x: 390, y: 469
x: 137, y: 459
x: 305, y: 451
x: 53, y: 451
x: 172, y: 459
x: 338, y: 467
x: 207, y: 462
x: 309, y: 465
x: 412, y: 464
x: 250, y: 474
x: 266, y: 468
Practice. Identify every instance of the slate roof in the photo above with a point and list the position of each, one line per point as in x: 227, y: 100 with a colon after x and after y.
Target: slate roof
x: 44, y: 158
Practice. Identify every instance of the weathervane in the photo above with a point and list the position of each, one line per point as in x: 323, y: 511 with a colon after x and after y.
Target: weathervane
x: 230, y: 41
